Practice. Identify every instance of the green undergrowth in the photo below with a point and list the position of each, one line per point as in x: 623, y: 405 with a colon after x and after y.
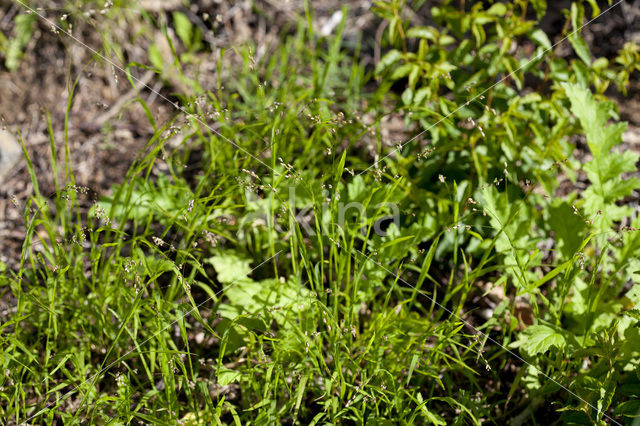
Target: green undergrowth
x: 271, y: 257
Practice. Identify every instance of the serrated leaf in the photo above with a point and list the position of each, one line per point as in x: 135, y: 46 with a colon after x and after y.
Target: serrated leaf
x: 617, y: 188
x: 593, y: 117
x: 538, y: 339
x: 246, y: 295
x: 230, y: 267
x: 611, y: 166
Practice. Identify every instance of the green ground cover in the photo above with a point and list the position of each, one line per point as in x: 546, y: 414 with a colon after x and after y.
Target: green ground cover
x: 272, y: 257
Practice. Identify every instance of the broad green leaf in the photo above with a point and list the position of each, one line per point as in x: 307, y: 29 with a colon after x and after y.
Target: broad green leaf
x: 634, y: 296
x: 581, y: 48
x: 541, y: 38
x: 428, y: 33
x: 226, y: 376
x: 407, y: 96
x: 497, y: 9
x: 387, y: 60
x: 402, y: 71
x: 611, y: 166
x: 617, y: 188
x: 567, y: 226
x: 446, y: 40
x: 252, y: 297
x: 628, y: 408
x: 184, y: 28
x: 230, y: 267
x: 538, y: 339
x: 357, y: 189
x: 593, y: 117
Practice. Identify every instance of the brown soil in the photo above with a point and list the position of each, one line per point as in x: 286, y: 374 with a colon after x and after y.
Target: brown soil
x: 105, y: 133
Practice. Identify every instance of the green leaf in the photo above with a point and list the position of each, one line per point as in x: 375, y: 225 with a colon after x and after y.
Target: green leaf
x: 428, y: 33
x: 402, y: 71
x: 577, y: 15
x: 593, y: 117
x: 567, y: 226
x: 230, y: 267
x: 432, y: 417
x: 634, y: 296
x: 247, y: 296
x: 616, y: 189
x: 407, y: 96
x: 300, y: 391
x: 540, y: 7
x: 497, y: 9
x: 595, y: 10
x: 611, y: 166
x: 541, y: 38
x: 387, y: 60
x: 155, y: 56
x: 184, y: 28
x: 357, y: 189
x: 23, y: 30
x: 226, y: 376
x: 446, y: 40
x: 538, y: 339
x: 581, y: 48
x: 628, y: 409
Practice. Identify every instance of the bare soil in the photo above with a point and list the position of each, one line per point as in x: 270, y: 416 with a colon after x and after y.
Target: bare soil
x: 106, y: 130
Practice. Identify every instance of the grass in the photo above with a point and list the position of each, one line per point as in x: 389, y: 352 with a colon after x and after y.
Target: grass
x: 244, y: 271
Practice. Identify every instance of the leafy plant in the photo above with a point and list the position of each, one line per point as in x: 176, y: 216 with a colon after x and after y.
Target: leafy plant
x: 12, y: 48
x: 285, y: 262
x: 605, y: 171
